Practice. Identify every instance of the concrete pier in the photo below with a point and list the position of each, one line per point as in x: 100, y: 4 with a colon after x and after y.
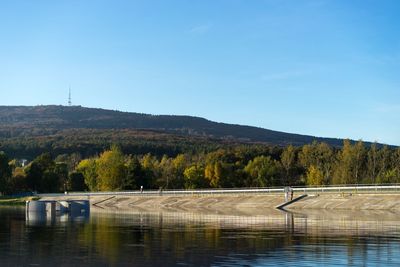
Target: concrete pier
x: 41, y: 211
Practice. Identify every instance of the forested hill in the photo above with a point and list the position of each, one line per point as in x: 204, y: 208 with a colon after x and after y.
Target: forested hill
x: 28, y: 121
x: 76, y: 149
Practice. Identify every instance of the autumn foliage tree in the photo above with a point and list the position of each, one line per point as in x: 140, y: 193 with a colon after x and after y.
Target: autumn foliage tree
x: 232, y: 166
x: 111, y: 170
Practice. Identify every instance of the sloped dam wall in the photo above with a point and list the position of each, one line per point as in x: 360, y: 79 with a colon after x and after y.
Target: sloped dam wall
x: 251, y: 203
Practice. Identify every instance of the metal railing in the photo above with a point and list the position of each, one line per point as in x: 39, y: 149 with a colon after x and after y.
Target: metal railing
x: 270, y: 190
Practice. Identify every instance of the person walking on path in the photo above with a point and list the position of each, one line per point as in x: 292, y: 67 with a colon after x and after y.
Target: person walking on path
x: 291, y: 194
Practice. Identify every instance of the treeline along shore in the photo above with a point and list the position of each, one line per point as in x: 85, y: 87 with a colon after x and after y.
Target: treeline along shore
x: 234, y: 167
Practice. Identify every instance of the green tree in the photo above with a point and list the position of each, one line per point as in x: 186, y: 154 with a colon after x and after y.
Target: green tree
x: 34, y: 175
x: 111, y: 170
x: 180, y: 163
x: 319, y: 155
x: 372, y: 164
x: 359, y: 161
x: 262, y: 171
x: 135, y: 176
x: 61, y: 171
x: 71, y: 160
x: 76, y: 182
x: 50, y: 181
x: 194, y: 177
x: 5, y: 173
x: 396, y: 163
x: 221, y: 174
x: 384, y: 162
x: 151, y: 170
x: 166, y: 172
x: 88, y: 168
x: 350, y: 163
x: 344, y: 167
x: 18, y: 182
x: 288, y: 162
x: 41, y: 175
x: 388, y: 177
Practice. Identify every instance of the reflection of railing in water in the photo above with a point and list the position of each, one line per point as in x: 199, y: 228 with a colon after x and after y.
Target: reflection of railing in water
x: 319, y: 189
x: 187, y: 218
x: 318, y: 223
x: 47, y: 212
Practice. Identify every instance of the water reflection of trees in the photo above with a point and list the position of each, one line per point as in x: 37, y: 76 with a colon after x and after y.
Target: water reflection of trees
x: 151, y: 238
x: 159, y: 239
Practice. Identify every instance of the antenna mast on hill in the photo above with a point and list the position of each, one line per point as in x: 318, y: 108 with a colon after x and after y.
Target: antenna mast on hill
x: 69, y: 97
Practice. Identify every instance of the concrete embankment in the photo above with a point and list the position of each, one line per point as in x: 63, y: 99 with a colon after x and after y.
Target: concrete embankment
x: 244, y: 203
x: 224, y: 204
x: 346, y: 201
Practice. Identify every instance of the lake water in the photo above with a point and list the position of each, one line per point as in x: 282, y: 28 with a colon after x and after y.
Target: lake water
x: 201, y: 239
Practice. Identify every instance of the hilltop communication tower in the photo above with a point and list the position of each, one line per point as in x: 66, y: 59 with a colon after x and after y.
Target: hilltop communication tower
x: 69, y: 97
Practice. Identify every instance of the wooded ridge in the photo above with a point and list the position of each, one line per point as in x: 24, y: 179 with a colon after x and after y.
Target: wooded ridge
x: 27, y: 131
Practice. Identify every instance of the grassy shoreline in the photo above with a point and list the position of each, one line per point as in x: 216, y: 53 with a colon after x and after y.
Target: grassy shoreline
x: 15, y: 201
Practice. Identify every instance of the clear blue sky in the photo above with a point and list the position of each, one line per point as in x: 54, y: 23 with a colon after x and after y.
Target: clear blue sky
x: 320, y: 67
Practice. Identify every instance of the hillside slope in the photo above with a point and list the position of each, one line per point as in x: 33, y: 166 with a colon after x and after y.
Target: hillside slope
x: 34, y: 121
